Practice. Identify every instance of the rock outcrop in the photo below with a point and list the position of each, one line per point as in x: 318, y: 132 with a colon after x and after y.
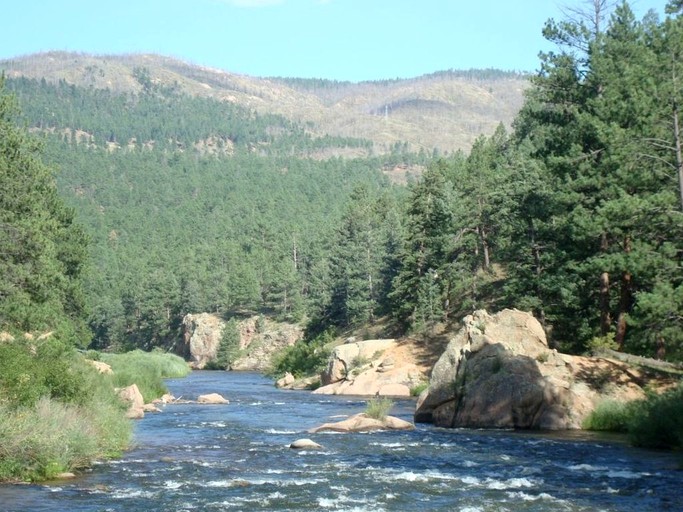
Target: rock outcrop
x: 369, y: 368
x: 498, y: 372
x: 259, y: 339
x: 363, y: 423
x: 202, y: 335
x: 101, y: 367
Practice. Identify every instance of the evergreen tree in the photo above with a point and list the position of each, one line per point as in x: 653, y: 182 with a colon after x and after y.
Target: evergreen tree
x: 43, y: 252
x: 607, y: 227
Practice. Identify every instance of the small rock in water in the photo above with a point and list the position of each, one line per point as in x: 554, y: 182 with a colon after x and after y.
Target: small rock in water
x: 212, y: 398
x: 304, y: 444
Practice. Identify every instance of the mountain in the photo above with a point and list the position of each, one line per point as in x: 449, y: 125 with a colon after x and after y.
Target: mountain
x: 445, y: 111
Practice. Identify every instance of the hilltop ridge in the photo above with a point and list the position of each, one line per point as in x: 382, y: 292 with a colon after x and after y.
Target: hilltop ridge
x: 445, y: 110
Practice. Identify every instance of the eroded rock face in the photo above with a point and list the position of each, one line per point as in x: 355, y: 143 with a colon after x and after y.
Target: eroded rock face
x: 203, y: 332
x: 498, y: 372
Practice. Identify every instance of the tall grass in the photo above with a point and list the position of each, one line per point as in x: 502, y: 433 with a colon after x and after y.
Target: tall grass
x: 52, y: 435
x: 379, y: 408
x: 146, y: 369
x: 609, y: 416
x: 58, y: 413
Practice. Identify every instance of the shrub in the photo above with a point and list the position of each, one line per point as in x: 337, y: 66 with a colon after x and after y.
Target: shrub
x: 609, y: 415
x: 657, y: 421
x: 304, y: 358
x: 419, y: 388
x: 57, y: 433
x: 378, y: 408
x: 600, y: 343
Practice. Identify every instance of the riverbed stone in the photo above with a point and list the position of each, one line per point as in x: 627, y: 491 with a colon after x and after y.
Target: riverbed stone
x: 305, y: 444
x: 212, y: 398
x: 131, y: 394
x: 363, y: 423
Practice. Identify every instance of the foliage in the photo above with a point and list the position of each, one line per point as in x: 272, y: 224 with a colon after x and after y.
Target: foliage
x: 419, y: 388
x: 600, y: 343
x: 304, y: 358
x: 654, y: 422
x: 42, y: 249
x: 379, y: 408
x: 657, y: 422
x: 229, y: 348
x: 146, y: 369
x: 609, y: 415
x: 57, y: 413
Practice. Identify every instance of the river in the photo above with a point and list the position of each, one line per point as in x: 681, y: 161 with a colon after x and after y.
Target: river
x: 236, y: 457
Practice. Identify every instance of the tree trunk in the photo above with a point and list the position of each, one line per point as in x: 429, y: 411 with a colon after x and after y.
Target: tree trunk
x: 485, y: 247
x: 679, y: 153
x: 624, y: 302
x: 605, y: 316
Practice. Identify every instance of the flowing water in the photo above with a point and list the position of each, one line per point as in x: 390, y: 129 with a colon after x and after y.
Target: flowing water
x: 236, y: 457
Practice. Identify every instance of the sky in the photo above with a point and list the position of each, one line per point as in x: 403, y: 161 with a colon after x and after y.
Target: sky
x: 334, y: 39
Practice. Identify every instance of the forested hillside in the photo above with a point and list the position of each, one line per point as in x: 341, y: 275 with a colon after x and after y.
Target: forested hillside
x: 195, y: 203
x: 576, y: 214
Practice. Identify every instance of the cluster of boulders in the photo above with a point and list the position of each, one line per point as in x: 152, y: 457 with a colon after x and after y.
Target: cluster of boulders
x: 136, y: 403
x: 497, y: 371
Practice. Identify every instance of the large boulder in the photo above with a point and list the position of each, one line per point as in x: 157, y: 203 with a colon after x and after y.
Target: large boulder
x: 136, y: 403
x: 498, y: 372
x: 370, y: 368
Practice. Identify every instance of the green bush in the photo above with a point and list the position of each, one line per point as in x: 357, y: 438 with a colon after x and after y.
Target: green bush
x: 33, y: 369
x: 304, y: 358
x: 68, y: 425
x: 379, y: 408
x: 600, y: 343
x: 657, y: 422
x: 419, y: 388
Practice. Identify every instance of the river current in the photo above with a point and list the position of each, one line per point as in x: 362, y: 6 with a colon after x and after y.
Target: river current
x: 237, y: 457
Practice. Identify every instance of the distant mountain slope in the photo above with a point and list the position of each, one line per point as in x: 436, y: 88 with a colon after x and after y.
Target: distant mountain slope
x: 445, y: 110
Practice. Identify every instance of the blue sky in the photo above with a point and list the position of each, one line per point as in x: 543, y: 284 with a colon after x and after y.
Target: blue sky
x: 335, y: 39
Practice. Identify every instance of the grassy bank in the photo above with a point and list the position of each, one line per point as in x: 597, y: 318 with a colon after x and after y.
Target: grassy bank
x: 146, y: 369
x: 655, y: 422
x: 58, y: 413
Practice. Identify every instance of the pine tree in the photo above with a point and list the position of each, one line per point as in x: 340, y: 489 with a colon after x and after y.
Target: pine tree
x: 43, y: 252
